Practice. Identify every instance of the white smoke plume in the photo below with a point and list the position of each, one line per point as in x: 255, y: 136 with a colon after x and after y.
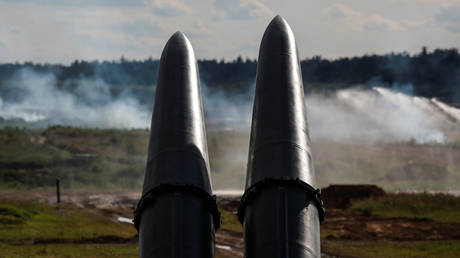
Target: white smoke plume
x: 89, y: 103
x: 379, y: 114
x: 349, y: 116
x: 228, y: 112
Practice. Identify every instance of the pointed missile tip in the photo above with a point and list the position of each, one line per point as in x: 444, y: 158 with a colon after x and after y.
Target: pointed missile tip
x: 278, y: 38
x: 177, y: 39
x: 278, y: 18
x: 179, y: 46
x: 278, y: 25
x: 178, y: 35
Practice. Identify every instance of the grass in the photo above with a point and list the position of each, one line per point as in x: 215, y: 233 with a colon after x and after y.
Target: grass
x: 69, y: 250
x: 63, y: 227
x: 325, y: 233
x: 11, y: 215
x: 392, y: 166
x: 84, y: 158
x: 393, y: 249
x: 230, y: 221
x: 439, y: 207
x: 81, y: 158
x: 30, y: 229
x: 26, y: 222
x: 88, y: 158
x: 42, y: 230
x: 17, y: 146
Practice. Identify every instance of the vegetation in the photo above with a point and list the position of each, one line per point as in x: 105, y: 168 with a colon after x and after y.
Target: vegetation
x: 44, y: 230
x: 230, y: 221
x: 85, y: 158
x: 392, y: 166
x: 431, y: 74
x: 27, y: 222
x: 439, y: 207
x: 80, y: 158
x: 69, y: 250
x: 29, y: 229
x: 443, y: 249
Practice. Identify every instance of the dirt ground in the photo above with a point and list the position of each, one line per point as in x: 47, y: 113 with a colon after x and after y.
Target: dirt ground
x: 121, y: 203
x: 340, y: 225
x: 348, y: 225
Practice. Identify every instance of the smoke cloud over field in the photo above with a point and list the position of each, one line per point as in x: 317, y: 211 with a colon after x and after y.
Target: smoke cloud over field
x: 347, y: 128
x: 350, y: 115
x: 88, y: 103
x: 379, y: 114
x: 228, y: 112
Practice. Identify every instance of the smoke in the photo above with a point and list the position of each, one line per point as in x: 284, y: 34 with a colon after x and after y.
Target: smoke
x: 347, y: 116
x: 450, y: 111
x: 229, y: 112
x: 378, y: 114
x: 84, y: 102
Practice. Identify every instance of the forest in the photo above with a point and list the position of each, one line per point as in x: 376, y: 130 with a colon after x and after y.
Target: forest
x: 429, y: 74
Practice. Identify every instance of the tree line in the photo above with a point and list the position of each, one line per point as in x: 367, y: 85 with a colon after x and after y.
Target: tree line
x: 429, y: 73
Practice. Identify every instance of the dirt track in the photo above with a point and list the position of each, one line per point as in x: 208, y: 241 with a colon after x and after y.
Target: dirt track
x: 346, y: 225
x: 121, y: 203
x: 355, y: 226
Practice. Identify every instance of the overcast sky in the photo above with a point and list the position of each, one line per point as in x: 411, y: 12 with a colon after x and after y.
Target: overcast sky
x: 59, y: 31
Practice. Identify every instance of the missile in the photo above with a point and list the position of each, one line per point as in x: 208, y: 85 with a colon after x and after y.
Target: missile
x: 177, y: 215
x: 281, y: 208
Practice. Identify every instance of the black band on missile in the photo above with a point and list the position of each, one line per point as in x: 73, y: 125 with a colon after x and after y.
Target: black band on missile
x: 152, y: 194
x: 256, y: 188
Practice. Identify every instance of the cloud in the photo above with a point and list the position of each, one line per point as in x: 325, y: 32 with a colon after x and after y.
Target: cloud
x: 351, y: 19
x: 137, y: 28
x: 196, y: 29
x: 242, y: 9
x: 338, y: 11
x: 13, y: 31
x: 449, y: 18
x: 3, y: 50
x: 168, y: 8
x: 3, y: 47
x: 80, y: 3
x: 61, y: 31
x: 443, y: 3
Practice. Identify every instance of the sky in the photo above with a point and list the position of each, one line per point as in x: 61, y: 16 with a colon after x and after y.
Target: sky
x: 58, y: 31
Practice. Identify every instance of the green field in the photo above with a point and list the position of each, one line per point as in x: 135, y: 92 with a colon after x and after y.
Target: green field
x: 444, y: 249
x: 29, y: 229
x: 80, y: 158
x: 84, y: 158
x: 438, y: 207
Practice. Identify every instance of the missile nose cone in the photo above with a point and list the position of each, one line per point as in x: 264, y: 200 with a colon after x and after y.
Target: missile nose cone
x: 177, y: 215
x: 177, y: 153
x: 278, y: 39
x: 178, y: 50
x: 279, y: 146
x: 177, y: 38
x: 178, y: 35
x: 275, y: 209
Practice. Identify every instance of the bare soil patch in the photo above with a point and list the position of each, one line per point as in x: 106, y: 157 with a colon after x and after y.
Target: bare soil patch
x: 341, y: 224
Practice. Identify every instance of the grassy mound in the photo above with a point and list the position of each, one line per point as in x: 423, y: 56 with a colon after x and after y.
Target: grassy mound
x: 439, y: 207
